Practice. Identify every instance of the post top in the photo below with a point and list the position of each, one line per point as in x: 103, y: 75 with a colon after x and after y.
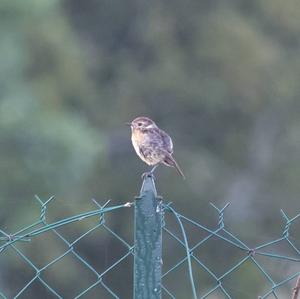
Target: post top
x: 148, y: 185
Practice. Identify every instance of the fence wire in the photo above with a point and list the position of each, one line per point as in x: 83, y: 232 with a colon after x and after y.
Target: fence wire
x: 190, y: 259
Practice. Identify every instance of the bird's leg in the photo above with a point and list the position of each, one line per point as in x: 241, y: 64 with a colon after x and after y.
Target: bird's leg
x: 152, y: 170
x: 149, y: 173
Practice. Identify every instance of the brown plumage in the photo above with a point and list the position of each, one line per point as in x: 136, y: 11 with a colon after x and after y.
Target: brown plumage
x: 152, y: 145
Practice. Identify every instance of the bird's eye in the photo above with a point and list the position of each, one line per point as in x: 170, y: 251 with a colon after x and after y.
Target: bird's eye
x: 139, y: 124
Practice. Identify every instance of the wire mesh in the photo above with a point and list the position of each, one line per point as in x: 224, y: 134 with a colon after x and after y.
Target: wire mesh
x: 26, y: 234
x: 191, y: 264
x: 247, y: 254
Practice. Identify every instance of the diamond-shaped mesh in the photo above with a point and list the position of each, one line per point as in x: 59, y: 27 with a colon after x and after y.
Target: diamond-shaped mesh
x: 223, y: 283
x: 198, y: 274
x: 13, y: 244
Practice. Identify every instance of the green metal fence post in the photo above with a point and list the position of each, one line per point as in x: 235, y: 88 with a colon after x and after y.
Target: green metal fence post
x: 148, y: 243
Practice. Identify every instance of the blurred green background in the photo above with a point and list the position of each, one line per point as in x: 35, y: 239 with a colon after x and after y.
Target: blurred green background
x: 222, y: 78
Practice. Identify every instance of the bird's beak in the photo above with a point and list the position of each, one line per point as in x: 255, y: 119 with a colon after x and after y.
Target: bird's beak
x: 128, y: 124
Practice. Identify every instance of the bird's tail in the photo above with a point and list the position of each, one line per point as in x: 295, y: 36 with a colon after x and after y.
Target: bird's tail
x: 170, y: 161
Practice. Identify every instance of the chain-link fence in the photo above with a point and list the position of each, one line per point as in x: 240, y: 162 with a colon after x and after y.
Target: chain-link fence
x: 153, y: 270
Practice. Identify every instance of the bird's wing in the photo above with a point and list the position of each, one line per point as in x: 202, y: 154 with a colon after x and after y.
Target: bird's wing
x: 167, y: 141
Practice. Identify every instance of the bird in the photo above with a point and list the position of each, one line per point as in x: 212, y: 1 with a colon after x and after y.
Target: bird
x: 153, y: 145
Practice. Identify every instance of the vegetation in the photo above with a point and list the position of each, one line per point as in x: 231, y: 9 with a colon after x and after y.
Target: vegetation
x: 221, y: 78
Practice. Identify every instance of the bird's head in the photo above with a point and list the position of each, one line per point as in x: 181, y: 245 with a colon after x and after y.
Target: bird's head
x: 142, y: 123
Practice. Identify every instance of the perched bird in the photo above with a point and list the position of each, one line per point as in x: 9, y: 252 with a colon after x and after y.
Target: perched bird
x: 153, y: 145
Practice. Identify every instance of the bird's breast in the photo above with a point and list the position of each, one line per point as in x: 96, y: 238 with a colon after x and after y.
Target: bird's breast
x: 138, y: 139
x: 141, y: 142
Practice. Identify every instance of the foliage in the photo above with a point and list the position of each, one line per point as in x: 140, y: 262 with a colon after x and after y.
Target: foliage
x: 221, y: 78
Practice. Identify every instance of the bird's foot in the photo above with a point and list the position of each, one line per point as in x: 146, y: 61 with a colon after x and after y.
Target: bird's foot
x: 148, y: 174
